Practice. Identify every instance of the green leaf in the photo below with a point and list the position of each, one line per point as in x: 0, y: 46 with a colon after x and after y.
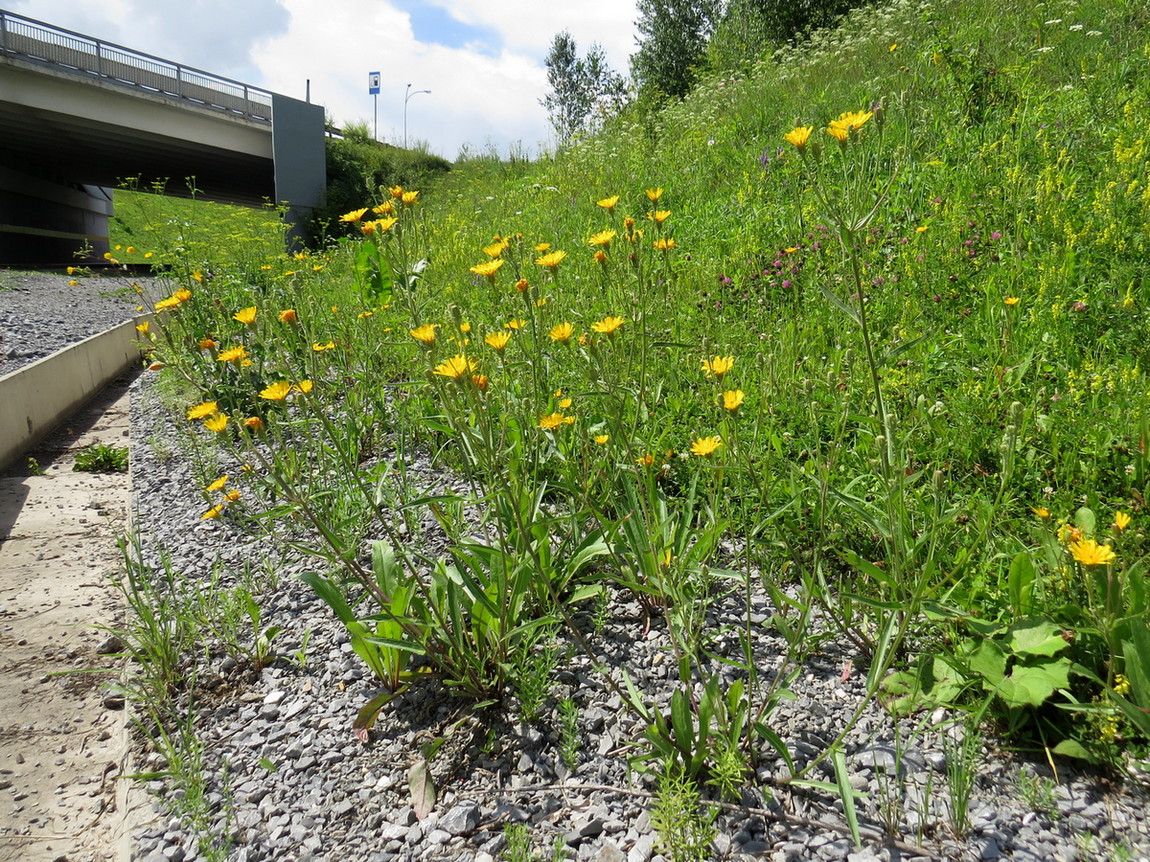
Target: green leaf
x: 989, y: 661
x: 1039, y: 637
x: 1032, y: 684
x: 369, y: 712
x: 1075, y: 749
x: 846, y: 794
x: 1085, y: 520
x: 1020, y: 582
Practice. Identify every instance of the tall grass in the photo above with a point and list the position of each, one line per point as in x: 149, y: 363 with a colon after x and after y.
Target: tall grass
x: 936, y: 406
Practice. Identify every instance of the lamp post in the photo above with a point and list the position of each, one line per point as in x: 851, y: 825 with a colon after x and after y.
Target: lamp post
x: 407, y: 96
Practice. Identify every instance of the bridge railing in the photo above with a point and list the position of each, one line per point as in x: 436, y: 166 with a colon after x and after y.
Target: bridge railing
x: 62, y: 49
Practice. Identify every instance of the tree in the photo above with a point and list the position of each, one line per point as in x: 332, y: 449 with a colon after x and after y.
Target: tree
x: 672, y: 41
x: 748, y: 29
x: 582, y: 88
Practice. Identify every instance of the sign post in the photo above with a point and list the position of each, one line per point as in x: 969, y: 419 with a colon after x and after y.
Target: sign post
x: 373, y: 80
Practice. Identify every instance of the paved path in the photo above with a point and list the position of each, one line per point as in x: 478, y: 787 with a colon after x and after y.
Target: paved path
x: 62, y: 751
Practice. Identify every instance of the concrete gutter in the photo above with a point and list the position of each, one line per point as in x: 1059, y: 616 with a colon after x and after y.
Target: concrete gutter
x: 37, y: 398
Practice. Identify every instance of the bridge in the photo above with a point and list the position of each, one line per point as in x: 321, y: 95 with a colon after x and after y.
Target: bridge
x: 79, y: 115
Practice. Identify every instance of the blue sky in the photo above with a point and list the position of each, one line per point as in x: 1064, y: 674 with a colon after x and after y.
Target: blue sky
x: 482, y: 61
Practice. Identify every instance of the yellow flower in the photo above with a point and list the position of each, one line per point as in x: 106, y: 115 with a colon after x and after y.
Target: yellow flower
x: 409, y: 198
x: 288, y: 315
x: 277, y: 391
x: 607, y: 325
x: 552, y: 259
x: 385, y: 208
x: 232, y: 354
x: 304, y: 386
x: 396, y: 192
x: 852, y: 121
x: 73, y: 283
x: 143, y: 328
x: 498, y: 340
x: 838, y: 134
x: 1011, y: 300
x: 1068, y: 534
x: 664, y: 244
x: 1090, y: 553
x: 565, y: 403
x: 799, y: 136
x: 554, y: 420
x: 704, y: 446
x: 182, y: 295
x: 655, y: 194
x: 425, y: 333
x: 456, y: 367
x: 659, y: 216
x: 465, y: 327
x: 609, y: 203
x: 488, y: 268
x: 198, y: 276
x: 646, y: 461
x: 1041, y: 511
x: 600, y: 256
x: 254, y: 423
x: 208, y: 344
x: 481, y: 381
x: 719, y: 366
x: 604, y: 237
x: 495, y: 249
x: 213, y: 512
x: 380, y: 225
x: 1121, y: 684
x: 542, y: 247
x: 321, y: 347
x: 922, y: 228
x: 519, y: 323
x: 1121, y: 520
x: 216, y: 485
x: 354, y: 215
x: 733, y: 399
x: 562, y: 332
x: 246, y: 316
x: 232, y: 495
x: 216, y: 423
x: 602, y: 439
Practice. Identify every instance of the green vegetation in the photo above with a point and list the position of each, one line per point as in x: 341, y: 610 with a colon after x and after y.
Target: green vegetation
x: 101, y: 458
x: 886, y: 363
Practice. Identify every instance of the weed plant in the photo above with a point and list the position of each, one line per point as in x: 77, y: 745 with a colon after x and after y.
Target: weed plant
x: 885, y: 363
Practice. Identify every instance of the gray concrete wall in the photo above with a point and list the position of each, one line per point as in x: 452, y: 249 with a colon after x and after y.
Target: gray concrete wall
x: 40, y: 396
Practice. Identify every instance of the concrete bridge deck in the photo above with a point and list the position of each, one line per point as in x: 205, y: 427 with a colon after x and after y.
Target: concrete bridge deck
x: 78, y: 115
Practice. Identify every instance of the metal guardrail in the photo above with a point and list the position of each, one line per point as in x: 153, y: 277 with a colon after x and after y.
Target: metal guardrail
x: 62, y: 49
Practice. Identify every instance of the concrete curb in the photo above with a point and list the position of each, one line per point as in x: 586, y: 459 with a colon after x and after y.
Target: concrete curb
x: 37, y: 398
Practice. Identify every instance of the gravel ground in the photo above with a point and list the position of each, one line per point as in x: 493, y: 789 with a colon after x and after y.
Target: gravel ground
x: 289, y: 780
x: 41, y: 313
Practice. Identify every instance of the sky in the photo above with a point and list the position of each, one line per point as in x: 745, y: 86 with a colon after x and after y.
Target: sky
x: 481, y: 60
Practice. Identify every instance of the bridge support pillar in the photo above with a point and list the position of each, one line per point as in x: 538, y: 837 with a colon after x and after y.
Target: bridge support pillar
x: 45, y: 221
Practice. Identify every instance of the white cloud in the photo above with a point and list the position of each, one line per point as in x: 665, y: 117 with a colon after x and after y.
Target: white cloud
x: 481, y: 94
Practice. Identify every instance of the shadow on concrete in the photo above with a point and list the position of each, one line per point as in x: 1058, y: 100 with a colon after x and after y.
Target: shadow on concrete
x: 54, y: 449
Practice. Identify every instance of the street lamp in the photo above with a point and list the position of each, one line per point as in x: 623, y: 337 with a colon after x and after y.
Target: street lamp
x: 407, y: 96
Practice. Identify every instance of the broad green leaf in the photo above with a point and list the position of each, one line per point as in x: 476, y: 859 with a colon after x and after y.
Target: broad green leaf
x: 989, y: 661
x: 1032, y: 684
x: 1035, y: 637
